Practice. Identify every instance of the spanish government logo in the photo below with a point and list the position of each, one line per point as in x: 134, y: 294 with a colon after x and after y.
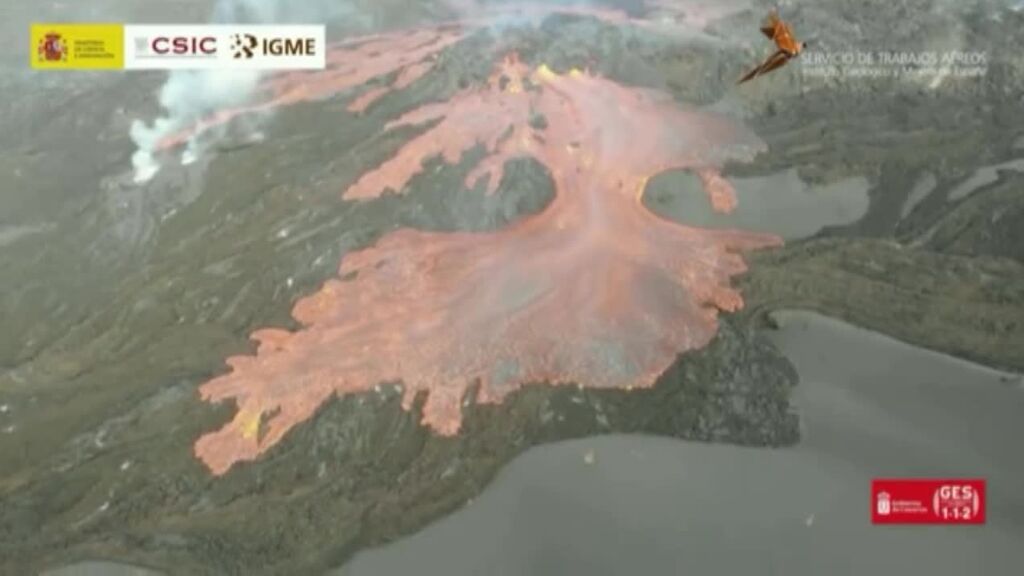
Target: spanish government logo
x: 77, y: 46
x: 52, y: 48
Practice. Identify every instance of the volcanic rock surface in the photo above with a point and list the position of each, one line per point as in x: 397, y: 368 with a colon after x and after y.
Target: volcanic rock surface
x: 120, y: 302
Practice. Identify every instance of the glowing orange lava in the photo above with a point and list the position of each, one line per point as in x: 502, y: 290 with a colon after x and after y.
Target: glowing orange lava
x: 408, y: 55
x: 594, y: 290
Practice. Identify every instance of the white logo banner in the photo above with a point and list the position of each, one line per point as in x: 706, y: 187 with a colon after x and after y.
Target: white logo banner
x: 224, y: 47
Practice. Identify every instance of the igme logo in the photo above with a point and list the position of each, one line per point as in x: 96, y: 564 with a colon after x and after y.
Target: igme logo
x: 243, y: 45
x: 290, y: 46
x: 247, y: 46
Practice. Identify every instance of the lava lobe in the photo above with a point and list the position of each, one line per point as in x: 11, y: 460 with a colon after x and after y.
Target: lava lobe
x: 595, y: 290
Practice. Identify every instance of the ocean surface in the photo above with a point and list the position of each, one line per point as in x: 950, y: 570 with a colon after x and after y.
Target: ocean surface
x: 871, y: 407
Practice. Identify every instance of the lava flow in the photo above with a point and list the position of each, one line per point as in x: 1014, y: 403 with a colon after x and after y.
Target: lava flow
x: 594, y: 290
x: 394, y: 60
x: 404, y: 57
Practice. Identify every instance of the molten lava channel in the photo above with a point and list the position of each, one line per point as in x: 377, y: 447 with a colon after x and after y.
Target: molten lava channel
x: 378, y: 64
x: 402, y: 57
x: 595, y: 290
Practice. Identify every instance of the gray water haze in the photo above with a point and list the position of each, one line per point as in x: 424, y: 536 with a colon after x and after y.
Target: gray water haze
x: 872, y: 407
x: 780, y: 203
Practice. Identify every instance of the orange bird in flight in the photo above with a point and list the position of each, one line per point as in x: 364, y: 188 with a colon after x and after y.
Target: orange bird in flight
x: 787, y: 47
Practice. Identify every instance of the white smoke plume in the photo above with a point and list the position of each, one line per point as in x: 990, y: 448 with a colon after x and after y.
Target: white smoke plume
x: 190, y: 95
x: 187, y: 96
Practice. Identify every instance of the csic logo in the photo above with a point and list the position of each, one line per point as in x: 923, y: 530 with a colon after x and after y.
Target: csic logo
x: 246, y: 46
x: 189, y: 46
x: 52, y: 48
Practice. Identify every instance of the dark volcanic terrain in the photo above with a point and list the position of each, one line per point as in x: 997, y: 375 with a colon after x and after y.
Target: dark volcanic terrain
x: 118, y: 301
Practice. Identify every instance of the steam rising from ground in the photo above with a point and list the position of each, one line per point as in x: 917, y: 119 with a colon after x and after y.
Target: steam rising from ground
x: 188, y: 96
x: 191, y: 98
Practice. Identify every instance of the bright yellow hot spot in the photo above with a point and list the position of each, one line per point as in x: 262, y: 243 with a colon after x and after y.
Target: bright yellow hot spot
x: 249, y: 424
x: 544, y: 72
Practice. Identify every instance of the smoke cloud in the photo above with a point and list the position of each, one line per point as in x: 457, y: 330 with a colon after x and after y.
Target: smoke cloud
x: 190, y: 95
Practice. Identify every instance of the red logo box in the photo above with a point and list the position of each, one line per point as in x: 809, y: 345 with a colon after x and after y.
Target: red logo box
x: 927, y: 501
